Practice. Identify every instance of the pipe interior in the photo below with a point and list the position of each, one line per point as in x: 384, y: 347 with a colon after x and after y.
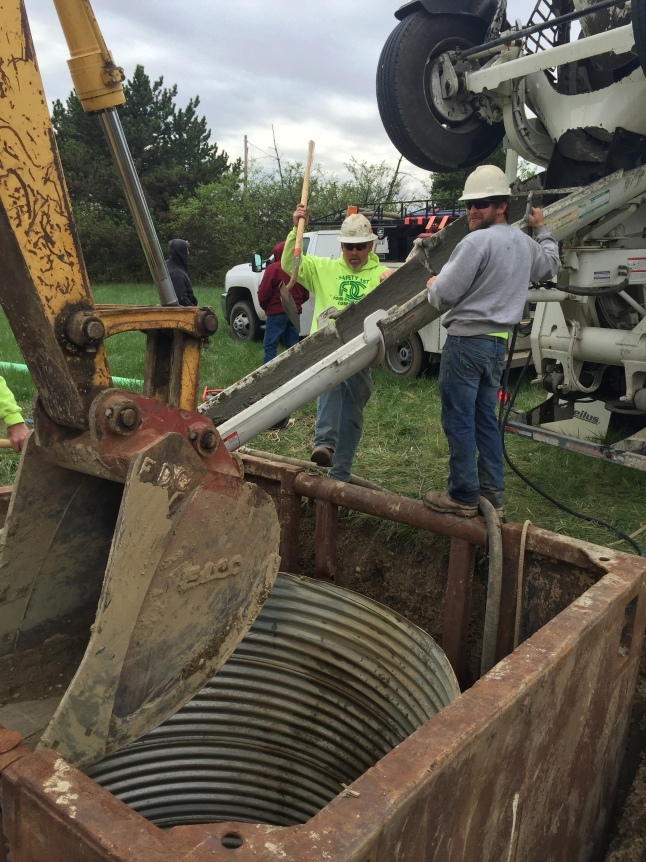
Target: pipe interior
x: 325, y: 684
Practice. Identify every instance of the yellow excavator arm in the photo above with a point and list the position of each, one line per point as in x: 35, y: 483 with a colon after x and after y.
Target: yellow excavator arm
x: 97, y: 79
x: 128, y: 526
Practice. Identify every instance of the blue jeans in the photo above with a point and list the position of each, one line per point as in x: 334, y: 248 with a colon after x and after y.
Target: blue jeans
x: 470, y: 373
x: 339, y: 421
x: 278, y: 326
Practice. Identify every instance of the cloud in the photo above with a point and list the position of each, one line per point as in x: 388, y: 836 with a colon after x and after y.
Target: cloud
x: 304, y: 66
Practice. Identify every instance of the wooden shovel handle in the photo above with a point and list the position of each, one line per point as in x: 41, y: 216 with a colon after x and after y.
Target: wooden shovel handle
x: 304, y: 195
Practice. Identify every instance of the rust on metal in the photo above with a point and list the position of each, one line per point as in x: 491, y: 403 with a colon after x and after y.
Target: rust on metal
x: 289, y: 504
x: 525, y: 761
x: 180, y: 589
x: 14, y: 753
x: 457, y: 605
x: 289, y: 515
x: 52, y: 811
x: 9, y: 739
x: 326, y: 545
x: 390, y: 506
x: 168, y: 591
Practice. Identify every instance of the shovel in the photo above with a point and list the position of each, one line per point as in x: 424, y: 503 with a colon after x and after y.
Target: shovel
x: 286, y: 297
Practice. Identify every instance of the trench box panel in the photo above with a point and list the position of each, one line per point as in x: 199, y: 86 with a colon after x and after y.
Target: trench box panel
x: 522, y: 766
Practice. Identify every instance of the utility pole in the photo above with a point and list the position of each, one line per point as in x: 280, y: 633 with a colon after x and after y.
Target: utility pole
x: 280, y: 167
x: 245, y: 170
x: 393, y: 181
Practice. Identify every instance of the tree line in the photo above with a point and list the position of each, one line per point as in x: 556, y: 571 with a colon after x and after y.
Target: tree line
x: 194, y: 190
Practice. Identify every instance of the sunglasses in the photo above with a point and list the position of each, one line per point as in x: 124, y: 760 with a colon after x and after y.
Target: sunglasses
x: 480, y: 204
x: 359, y: 246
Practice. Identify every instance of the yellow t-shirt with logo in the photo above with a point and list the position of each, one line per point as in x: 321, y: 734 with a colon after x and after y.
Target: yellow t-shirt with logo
x: 332, y: 282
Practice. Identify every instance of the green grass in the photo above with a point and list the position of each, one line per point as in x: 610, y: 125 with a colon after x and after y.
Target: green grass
x: 403, y: 446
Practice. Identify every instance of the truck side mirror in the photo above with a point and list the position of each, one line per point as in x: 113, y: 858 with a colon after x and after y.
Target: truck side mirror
x: 256, y: 262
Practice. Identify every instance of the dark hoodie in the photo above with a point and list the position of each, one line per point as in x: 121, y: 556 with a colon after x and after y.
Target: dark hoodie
x: 269, y: 290
x: 177, y: 265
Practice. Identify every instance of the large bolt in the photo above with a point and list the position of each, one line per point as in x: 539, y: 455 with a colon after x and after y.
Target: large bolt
x: 84, y: 329
x: 206, y: 322
x: 209, y: 441
x: 128, y: 417
x: 210, y: 322
x: 94, y: 329
x: 123, y: 417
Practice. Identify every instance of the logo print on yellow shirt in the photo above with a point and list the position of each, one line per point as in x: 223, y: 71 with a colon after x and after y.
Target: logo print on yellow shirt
x: 350, y: 290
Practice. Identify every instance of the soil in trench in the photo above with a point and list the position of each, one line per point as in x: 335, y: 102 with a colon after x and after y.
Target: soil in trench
x: 397, y: 570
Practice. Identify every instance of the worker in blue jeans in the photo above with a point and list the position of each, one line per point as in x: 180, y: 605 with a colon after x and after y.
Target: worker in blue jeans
x: 339, y: 423
x: 278, y: 325
x: 483, y: 286
x: 469, y: 380
x: 335, y: 284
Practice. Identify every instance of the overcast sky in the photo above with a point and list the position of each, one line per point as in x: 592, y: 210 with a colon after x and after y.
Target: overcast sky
x: 308, y: 67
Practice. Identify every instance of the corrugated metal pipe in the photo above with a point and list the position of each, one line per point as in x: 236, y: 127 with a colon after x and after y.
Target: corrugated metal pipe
x: 324, y: 685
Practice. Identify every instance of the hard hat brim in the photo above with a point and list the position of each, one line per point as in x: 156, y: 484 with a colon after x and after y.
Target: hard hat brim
x: 476, y: 196
x: 371, y: 238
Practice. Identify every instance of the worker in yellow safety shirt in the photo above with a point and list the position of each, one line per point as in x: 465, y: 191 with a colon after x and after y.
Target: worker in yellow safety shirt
x: 10, y: 414
x: 337, y: 284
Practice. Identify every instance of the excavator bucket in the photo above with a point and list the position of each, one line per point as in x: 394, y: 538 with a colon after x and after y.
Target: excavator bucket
x: 191, y: 557
x: 124, y: 503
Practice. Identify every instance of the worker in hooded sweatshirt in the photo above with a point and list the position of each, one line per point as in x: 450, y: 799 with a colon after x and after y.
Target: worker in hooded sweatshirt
x: 278, y: 326
x: 337, y: 284
x: 177, y: 265
x: 10, y: 414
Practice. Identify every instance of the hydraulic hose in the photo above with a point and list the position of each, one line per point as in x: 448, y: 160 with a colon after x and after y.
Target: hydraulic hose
x: 494, y: 586
x: 587, y: 291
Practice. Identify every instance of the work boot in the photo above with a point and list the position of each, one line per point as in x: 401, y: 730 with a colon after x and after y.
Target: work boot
x: 283, y: 423
x: 440, y: 501
x: 322, y: 455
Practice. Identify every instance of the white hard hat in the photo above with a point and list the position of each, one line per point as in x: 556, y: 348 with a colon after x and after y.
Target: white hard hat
x: 356, y: 228
x: 485, y: 182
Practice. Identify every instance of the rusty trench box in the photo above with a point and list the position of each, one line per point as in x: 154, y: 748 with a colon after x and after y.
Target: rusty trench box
x: 524, y: 765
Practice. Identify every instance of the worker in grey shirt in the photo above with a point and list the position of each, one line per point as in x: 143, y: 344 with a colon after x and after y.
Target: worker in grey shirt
x: 484, y: 285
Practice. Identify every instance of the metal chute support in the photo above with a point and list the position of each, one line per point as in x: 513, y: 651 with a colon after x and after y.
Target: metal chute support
x: 568, y: 105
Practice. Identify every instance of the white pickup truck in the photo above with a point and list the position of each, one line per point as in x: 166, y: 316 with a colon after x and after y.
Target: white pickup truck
x: 240, y: 298
x: 246, y: 318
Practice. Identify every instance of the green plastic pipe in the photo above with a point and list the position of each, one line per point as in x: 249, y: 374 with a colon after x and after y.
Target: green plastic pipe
x: 118, y: 381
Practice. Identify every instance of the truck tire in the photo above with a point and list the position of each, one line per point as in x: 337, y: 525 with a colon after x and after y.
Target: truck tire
x: 407, y: 359
x: 410, y: 119
x: 244, y: 322
x: 638, y: 13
